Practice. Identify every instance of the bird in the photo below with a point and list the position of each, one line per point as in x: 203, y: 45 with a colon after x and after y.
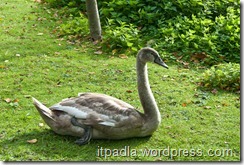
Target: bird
x: 99, y: 116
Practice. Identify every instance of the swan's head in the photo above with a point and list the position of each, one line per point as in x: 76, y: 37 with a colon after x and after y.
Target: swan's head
x: 148, y: 54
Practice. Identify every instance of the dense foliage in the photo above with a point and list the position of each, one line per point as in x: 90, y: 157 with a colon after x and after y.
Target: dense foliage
x: 77, y: 26
x: 224, y: 76
x: 182, y: 27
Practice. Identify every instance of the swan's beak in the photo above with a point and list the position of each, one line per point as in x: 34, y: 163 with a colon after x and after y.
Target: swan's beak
x: 164, y: 65
x: 160, y: 62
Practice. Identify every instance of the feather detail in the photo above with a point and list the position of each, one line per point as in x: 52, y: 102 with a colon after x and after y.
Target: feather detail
x: 42, y: 108
x: 73, y: 111
x: 95, y: 109
x: 106, y: 123
x: 81, y: 114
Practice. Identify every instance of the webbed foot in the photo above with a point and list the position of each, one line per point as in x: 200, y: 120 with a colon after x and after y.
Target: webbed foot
x: 87, y: 132
x: 86, y: 137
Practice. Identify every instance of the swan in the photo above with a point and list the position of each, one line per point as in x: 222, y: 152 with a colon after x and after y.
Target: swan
x: 99, y: 116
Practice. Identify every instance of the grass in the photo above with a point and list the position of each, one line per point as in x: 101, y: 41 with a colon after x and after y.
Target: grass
x: 197, y: 125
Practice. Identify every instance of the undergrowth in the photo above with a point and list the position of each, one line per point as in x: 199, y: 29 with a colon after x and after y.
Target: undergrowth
x: 183, y: 27
x: 224, y: 76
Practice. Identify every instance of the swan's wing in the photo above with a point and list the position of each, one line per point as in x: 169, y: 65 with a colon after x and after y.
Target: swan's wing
x: 93, y: 109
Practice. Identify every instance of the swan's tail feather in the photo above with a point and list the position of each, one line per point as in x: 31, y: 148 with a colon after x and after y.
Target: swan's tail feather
x: 42, y: 109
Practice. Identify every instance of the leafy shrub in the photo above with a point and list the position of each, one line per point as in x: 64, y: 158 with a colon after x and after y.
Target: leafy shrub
x: 75, y: 26
x: 122, y: 36
x: 184, y: 27
x: 219, y: 38
x: 224, y: 76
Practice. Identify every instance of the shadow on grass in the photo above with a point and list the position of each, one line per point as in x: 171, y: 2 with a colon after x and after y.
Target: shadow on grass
x: 53, y: 147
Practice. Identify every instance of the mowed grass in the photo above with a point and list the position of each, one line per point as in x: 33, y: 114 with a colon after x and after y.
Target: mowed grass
x: 197, y: 125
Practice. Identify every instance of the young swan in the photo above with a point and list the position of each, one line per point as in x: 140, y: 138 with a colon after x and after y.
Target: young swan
x: 99, y: 116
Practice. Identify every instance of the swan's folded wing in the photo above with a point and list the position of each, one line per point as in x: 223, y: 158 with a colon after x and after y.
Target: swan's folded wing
x: 93, y: 109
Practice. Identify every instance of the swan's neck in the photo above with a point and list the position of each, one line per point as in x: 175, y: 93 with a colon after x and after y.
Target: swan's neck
x: 148, y: 102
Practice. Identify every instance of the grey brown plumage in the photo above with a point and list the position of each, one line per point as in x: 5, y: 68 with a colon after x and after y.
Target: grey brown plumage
x: 105, y: 116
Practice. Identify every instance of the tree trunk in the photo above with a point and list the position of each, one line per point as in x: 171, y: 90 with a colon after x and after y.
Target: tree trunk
x: 94, y: 20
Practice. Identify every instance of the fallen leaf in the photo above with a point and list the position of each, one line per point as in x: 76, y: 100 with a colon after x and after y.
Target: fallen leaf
x: 38, y: 1
x: 184, y: 104
x: 39, y: 34
x: 59, y: 84
x: 16, y: 100
x: 214, y: 91
x: 179, y: 58
x: 224, y: 104
x: 119, y: 71
x: 165, y: 77
x: 114, y: 51
x: 17, y: 55
x: 158, y: 159
x: 217, y: 114
x: 139, y: 27
x: 95, y: 42
x: 41, y: 124
x: 60, y: 39
x: 207, y: 107
x: 129, y: 91
x: 196, y: 57
x: 1, y: 135
x: 7, y: 100
x: 185, y: 64
x: 123, y: 56
x: 32, y: 141
x: 218, y: 106
x: 188, y: 101
x: 41, y: 19
x: 98, y: 52
x: 57, y: 53
x: 92, y: 72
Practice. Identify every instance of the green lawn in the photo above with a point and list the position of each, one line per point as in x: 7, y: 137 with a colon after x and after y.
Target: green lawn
x: 196, y: 125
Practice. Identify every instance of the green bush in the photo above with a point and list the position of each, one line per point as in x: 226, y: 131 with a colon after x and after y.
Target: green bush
x: 219, y: 38
x: 184, y: 27
x: 75, y: 26
x: 225, y: 76
x: 122, y: 36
